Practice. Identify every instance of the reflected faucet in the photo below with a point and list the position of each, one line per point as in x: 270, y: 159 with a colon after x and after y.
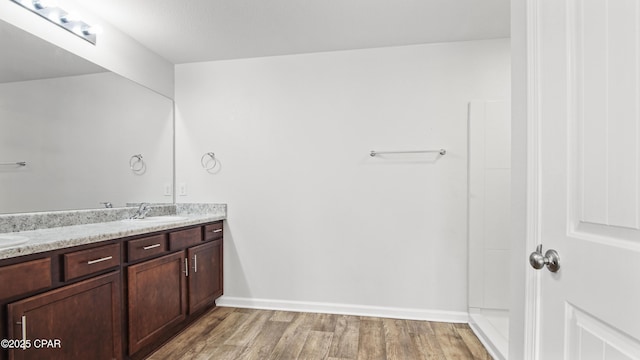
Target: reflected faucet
x: 142, y: 211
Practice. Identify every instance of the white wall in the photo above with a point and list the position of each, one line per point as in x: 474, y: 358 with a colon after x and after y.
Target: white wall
x: 77, y: 135
x: 314, y: 222
x: 114, y: 50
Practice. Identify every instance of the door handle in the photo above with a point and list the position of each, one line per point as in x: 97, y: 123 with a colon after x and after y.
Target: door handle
x: 550, y: 258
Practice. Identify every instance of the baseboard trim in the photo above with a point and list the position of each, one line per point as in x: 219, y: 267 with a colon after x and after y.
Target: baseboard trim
x: 345, y: 309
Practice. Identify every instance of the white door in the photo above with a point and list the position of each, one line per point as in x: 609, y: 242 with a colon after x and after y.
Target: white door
x: 585, y: 166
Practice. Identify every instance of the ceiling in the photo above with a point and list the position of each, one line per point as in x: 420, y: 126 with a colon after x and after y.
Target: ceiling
x: 203, y: 30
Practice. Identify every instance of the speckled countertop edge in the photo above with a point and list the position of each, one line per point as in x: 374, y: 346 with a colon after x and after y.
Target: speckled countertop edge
x: 56, y: 219
x: 68, y: 236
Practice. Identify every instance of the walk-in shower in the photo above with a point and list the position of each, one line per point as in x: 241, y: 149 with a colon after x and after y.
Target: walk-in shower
x: 489, y: 222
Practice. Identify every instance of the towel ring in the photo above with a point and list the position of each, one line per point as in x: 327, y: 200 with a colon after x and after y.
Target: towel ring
x: 206, y: 163
x: 136, y: 164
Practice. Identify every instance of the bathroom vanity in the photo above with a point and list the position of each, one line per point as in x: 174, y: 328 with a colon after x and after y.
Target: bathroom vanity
x: 108, y: 290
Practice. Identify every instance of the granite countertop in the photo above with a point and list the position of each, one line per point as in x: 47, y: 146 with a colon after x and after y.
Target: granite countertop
x: 42, y: 240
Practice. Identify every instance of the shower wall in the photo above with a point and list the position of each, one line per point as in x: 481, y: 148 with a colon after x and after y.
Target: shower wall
x: 489, y: 216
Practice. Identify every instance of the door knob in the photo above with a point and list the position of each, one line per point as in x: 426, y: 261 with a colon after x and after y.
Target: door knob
x: 550, y: 258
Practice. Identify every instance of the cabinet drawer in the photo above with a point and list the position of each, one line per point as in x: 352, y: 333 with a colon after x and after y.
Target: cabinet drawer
x: 25, y: 277
x: 184, y: 238
x: 146, y: 247
x: 213, y: 231
x: 85, y: 262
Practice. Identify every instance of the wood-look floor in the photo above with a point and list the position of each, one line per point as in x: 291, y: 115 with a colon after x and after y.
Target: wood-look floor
x: 231, y: 333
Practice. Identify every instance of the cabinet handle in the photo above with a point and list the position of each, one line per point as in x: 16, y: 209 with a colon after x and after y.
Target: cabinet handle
x: 91, y: 262
x: 195, y: 263
x: 149, y: 247
x: 186, y: 267
x: 216, y: 230
x: 23, y: 323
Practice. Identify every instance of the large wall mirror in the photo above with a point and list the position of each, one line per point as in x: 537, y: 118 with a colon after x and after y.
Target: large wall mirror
x: 79, y: 129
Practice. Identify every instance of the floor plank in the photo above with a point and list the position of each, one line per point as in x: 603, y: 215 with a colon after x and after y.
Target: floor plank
x: 290, y: 344
x: 247, y: 334
x: 317, y: 345
x: 397, y: 340
x: 266, y: 340
x: 346, y: 338
x: 285, y: 316
x: 325, y: 322
x: 372, y: 343
x: 425, y: 341
x: 450, y: 342
x: 249, y: 329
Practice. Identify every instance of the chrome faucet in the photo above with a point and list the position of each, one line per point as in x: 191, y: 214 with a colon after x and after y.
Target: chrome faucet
x: 142, y: 211
x: 107, y: 205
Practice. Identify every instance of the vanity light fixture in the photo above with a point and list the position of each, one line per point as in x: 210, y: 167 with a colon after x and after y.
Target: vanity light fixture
x: 48, y: 10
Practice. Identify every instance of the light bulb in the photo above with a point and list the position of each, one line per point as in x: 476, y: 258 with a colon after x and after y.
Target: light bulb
x: 69, y: 17
x: 93, y: 30
x: 43, y: 4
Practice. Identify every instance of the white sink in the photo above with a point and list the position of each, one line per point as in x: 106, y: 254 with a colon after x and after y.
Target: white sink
x: 158, y: 219
x: 12, y: 240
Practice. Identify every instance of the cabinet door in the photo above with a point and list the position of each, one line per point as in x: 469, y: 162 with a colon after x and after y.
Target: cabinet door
x: 84, y: 317
x: 205, y: 279
x: 157, y: 298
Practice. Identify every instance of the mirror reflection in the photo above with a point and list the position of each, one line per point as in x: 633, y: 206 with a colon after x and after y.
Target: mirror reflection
x: 86, y: 135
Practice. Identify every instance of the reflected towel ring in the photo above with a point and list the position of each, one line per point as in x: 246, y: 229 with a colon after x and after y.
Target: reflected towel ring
x: 136, y: 164
x: 206, y: 163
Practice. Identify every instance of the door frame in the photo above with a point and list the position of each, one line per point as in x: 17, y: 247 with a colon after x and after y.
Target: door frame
x: 525, y: 203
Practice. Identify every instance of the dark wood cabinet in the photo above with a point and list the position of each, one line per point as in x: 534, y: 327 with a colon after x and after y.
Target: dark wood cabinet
x: 205, y: 279
x: 157, y: 298
x: 162, y: 291
x: 111, y: 300
x: 85, y: 317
